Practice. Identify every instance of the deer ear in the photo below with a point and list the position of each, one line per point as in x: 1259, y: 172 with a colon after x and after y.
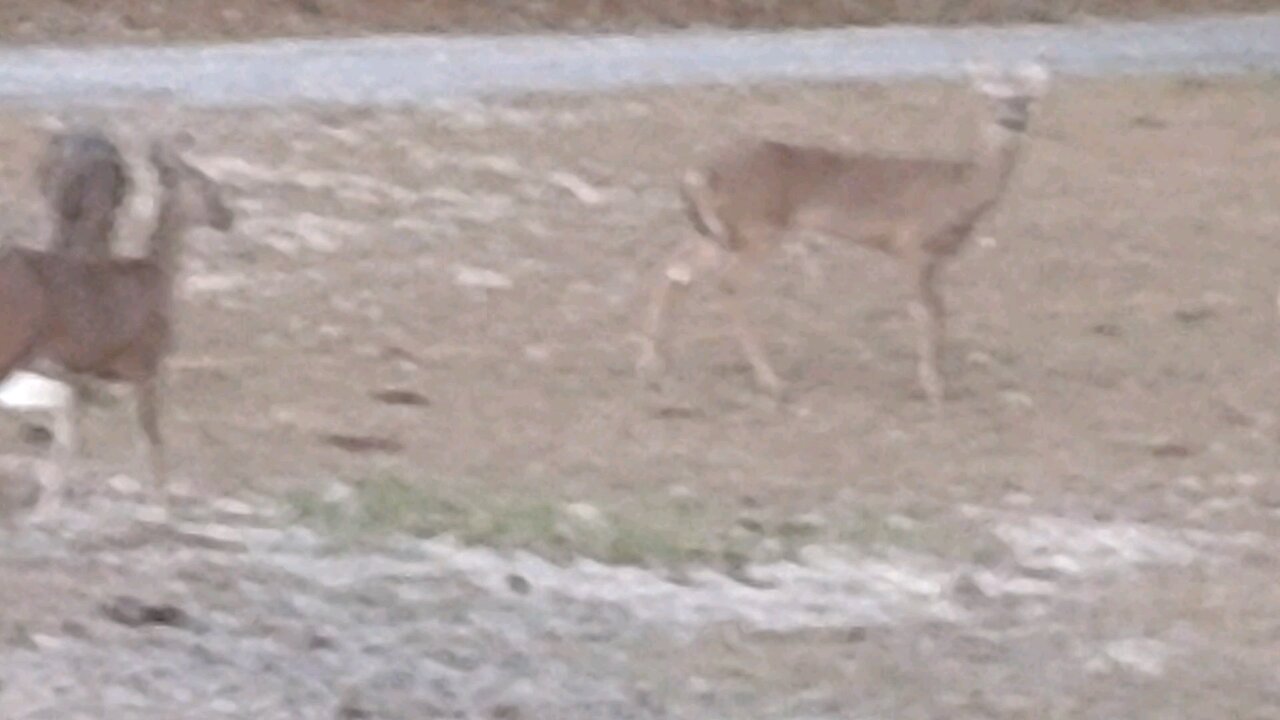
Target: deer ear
x: 987, y: 79
x: 981, y: 71
x: 163, y: 156
x: 182, y: 141
x: 1034, y: 78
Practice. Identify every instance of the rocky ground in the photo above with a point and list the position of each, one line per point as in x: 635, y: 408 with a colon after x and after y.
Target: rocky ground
x: 419, y: 480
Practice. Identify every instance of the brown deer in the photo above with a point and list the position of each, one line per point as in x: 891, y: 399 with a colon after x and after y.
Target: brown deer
x: 110, y: 319
x: 919, y: 210
x: 83, y: 177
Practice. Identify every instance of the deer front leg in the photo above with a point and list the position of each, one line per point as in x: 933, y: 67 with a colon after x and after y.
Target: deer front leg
x: 690, y: 261
x: 929, y: 314
x: 733, y: 282
x: 68, y: 421
x: 148, y: 399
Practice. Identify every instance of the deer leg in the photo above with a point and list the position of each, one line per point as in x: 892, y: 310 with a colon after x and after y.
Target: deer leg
x: 148, y: 399
x: 69, y: 420
x: 691, y: 260
x: 67, y: 444
x: 733, y: 283
x: 929, y: 314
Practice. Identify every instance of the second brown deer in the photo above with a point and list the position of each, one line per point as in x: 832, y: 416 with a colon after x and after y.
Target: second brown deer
x: 110, y: 319
x: 918, y: 210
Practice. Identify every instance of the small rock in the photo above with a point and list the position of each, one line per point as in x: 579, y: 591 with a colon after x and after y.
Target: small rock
x: 1142, y: 655
x: 151, y: 515
x: 537, y: 353
x: 1017, y: 499
x: 362, y: 444
x: 980, y: 359
x: 36, y: 435
x: 20, y: 486
x: 132, y: 612
x: 75, y: 629
x: 338, y: 493
x: 1267, y: 495
x: 1171, y: 449
x: 211, y: 536
x: 47, y: 643
x: 234, y: 507
x: 900, y: 523
x: 682, y: 494
x: 225, y: 706
x: 769, y: 550
x: 1247, y: 480
x: 465, y: 276
x: 806, y: 524
x: 124, y: 485
x: 584, y: 523
x: 1190, y: 484
x: 584, y: 192
x: 518, y: 584
x: 968, y: 589
x: 514, y: 702
x: 586, y: 514
x: 400, y: 397
x: 1017, y: 399
x: 1191, y: 316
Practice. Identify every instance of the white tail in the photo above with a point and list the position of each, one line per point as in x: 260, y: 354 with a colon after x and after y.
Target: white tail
x: 920, y: 210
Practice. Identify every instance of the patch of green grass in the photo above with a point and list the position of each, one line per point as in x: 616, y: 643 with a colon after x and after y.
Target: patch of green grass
x: 648, y: 534
x: 653, y: 530
x: 950, y: 537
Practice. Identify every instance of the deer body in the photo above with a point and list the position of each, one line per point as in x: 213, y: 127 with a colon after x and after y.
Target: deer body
x: 918, y: 210
x: 110, y: 319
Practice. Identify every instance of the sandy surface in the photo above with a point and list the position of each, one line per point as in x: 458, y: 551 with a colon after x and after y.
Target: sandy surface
x: 1112, y: 356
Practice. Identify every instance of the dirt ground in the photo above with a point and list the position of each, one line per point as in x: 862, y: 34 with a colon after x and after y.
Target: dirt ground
x: 1113, y: 333
x: 1113, y: 358
x: 76, y: 21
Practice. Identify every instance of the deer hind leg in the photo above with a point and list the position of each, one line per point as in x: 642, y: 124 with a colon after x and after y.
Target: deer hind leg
x: 734, y: 281
x: 929, y: 313
x: 691, y: 261
x: 148, y: 399
x: 67, y: 444
x: 68, y: 421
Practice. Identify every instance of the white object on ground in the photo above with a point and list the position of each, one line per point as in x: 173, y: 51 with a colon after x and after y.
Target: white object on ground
x: 26, y: 391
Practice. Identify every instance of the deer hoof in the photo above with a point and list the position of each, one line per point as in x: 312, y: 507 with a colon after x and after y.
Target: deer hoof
x: 769, y: 383
x: 650, y: 366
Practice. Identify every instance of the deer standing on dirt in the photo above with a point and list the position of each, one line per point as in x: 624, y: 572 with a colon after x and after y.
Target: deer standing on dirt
x: 84, y: 179
x: 919, y: 210
x: 110, y: 319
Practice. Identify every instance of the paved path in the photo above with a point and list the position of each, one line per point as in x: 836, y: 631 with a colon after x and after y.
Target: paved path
x: 411, y: 69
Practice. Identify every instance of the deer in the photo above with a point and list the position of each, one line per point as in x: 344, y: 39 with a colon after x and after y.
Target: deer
x: 83, y: 177
x: 920, y: 210
x: 110, y: 319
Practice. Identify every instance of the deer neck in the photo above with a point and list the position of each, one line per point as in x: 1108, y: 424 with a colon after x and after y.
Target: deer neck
x: 994, y: 163
x: 166, y: 237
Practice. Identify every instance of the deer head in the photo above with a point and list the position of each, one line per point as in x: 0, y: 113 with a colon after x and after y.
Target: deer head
x: 1011, y: 92
x: 197, y: 197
